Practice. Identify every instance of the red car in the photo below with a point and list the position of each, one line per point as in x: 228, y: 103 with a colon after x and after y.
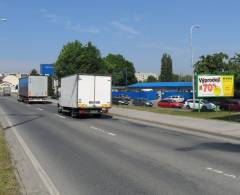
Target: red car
x: 231, y: 105
x: 170, y: 103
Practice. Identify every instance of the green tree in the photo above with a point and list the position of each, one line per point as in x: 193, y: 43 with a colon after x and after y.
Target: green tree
x: 151, y: 78
x: 119, y: 67
x: 166, y: 68
x: 212, y: 64
x: 34, y: 72
x: 78, y: 58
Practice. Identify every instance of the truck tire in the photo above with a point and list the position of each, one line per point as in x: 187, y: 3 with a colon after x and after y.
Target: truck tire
x: 73, y: 114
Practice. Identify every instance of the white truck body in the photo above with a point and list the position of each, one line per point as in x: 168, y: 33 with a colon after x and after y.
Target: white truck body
x: 33, y: 88
x: 86, y: 92
x: 6, y: 91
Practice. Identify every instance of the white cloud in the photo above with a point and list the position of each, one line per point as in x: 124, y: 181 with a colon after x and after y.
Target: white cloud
x: 125, y: 28
x: 67, y: 23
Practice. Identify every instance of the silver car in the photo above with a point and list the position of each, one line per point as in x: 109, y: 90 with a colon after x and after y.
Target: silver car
x: 199, y: 104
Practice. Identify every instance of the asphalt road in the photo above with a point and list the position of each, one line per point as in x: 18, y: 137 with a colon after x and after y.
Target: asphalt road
x: 115, y: 156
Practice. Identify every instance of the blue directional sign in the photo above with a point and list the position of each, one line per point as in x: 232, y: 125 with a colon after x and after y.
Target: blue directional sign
x: 47, y: 69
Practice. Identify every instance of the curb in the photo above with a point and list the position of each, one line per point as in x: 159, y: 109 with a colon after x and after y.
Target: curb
x: 182, y: 127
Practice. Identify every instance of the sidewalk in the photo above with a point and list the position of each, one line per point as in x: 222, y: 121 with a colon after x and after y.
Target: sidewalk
x: 209, y: 126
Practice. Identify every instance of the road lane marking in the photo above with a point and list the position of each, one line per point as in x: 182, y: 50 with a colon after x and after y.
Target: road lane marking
x: 39, y: 108
x: 38, y: 168
x: 113, y: 134
x: 103, y: 131
x: 229, y: 175
x: 221, y: 172
x: 60, y: 116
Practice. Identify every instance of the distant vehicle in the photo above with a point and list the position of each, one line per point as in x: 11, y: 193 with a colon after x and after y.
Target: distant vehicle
x: 85, y: 94
x: 199, y: 104
x: 6, y: 91
x: 126, y: 97
x: 176, y: 98
x: 120, y: 101
x: 230, y: 104
x: 142, y: 102
x: 170, y: 103
x: 33, y: 89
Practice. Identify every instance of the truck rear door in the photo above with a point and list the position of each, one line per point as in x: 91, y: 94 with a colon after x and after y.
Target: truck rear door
x: 85, y: 91
x: 103, y: 91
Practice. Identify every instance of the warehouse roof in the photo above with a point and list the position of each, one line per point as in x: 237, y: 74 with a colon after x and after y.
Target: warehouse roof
x: 162, y: 85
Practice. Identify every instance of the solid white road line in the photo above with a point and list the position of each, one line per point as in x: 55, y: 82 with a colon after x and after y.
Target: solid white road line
x: 43, y: 175
x: 60, y: 116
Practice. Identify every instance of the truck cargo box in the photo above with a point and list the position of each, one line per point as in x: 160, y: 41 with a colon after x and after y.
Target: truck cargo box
x: 33, y: 88
x: 89, y: 92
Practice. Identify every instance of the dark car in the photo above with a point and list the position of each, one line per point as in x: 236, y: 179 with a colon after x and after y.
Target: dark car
x: 119, y: 101
x: 230, y: 104
x: 170, y: 103
x: 142, y: 102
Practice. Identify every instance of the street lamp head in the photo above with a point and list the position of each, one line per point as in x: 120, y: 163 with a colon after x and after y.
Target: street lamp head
x: 3, y: 19
x: 195, y: 27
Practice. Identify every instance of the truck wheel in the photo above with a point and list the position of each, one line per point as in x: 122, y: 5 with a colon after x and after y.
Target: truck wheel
x: 73, y: 114
x: 188, y: 107
x: 204, y: 108
x: 59, y: 110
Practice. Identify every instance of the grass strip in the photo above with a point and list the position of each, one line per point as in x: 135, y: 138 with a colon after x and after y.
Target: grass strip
x: 220, y: 115
x: 8, y: 182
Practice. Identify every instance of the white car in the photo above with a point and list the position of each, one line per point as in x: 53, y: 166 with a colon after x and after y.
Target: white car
x: 176, y: 98
x: 199, y: 104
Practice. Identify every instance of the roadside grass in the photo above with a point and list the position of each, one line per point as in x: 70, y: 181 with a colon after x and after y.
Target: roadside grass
x: 220, y: 115
x: 8, y: 182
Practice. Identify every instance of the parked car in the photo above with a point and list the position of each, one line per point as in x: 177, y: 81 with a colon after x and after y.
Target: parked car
x: 120, y: 101
x: 170, y: 103
x: 230, y: 104
x: 142, y: 102
x: 176, y: 98
x: 199, y: 104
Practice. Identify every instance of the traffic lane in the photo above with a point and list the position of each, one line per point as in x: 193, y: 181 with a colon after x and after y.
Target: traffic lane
x: 99, y: 164
x: 131, y: 152
x: 207, y: 152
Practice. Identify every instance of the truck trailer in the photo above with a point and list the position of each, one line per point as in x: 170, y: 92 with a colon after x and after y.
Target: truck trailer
x: 85, y: 94
x: 33, y: 89
x: 6, y: 91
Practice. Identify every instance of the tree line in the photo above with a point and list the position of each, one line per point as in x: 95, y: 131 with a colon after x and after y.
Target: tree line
x: 76, y: 57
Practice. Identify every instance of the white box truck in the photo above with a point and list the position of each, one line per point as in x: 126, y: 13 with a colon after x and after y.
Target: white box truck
x: 33, y: 89
x: 6, y: 91
x: 85, y: 94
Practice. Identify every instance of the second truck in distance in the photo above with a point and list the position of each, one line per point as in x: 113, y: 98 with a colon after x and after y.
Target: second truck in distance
x: 85, y: 94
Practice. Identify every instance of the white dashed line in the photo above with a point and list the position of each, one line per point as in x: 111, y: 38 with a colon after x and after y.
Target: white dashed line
x: 60, y: 116
x: 229, y: 175
x: 218, y: 171
x: 39, y: 108
x: 112, y: 134
x: 103, y: 131
x: 221, y: 172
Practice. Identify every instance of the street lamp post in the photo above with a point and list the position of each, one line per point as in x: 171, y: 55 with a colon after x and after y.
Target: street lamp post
x: 193, y: 72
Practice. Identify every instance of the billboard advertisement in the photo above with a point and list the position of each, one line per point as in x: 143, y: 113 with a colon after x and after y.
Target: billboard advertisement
x: 47, y: 69
x: 215, y: 85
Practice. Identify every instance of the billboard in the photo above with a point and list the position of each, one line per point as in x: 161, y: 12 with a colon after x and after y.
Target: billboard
x: 215, y: 85
x: 47, y: 69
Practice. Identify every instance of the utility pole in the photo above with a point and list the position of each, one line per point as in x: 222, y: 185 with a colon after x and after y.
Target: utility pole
x: 192, y: 63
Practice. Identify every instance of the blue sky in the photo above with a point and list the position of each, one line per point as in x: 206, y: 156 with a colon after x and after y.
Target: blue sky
x: 140, y: 30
